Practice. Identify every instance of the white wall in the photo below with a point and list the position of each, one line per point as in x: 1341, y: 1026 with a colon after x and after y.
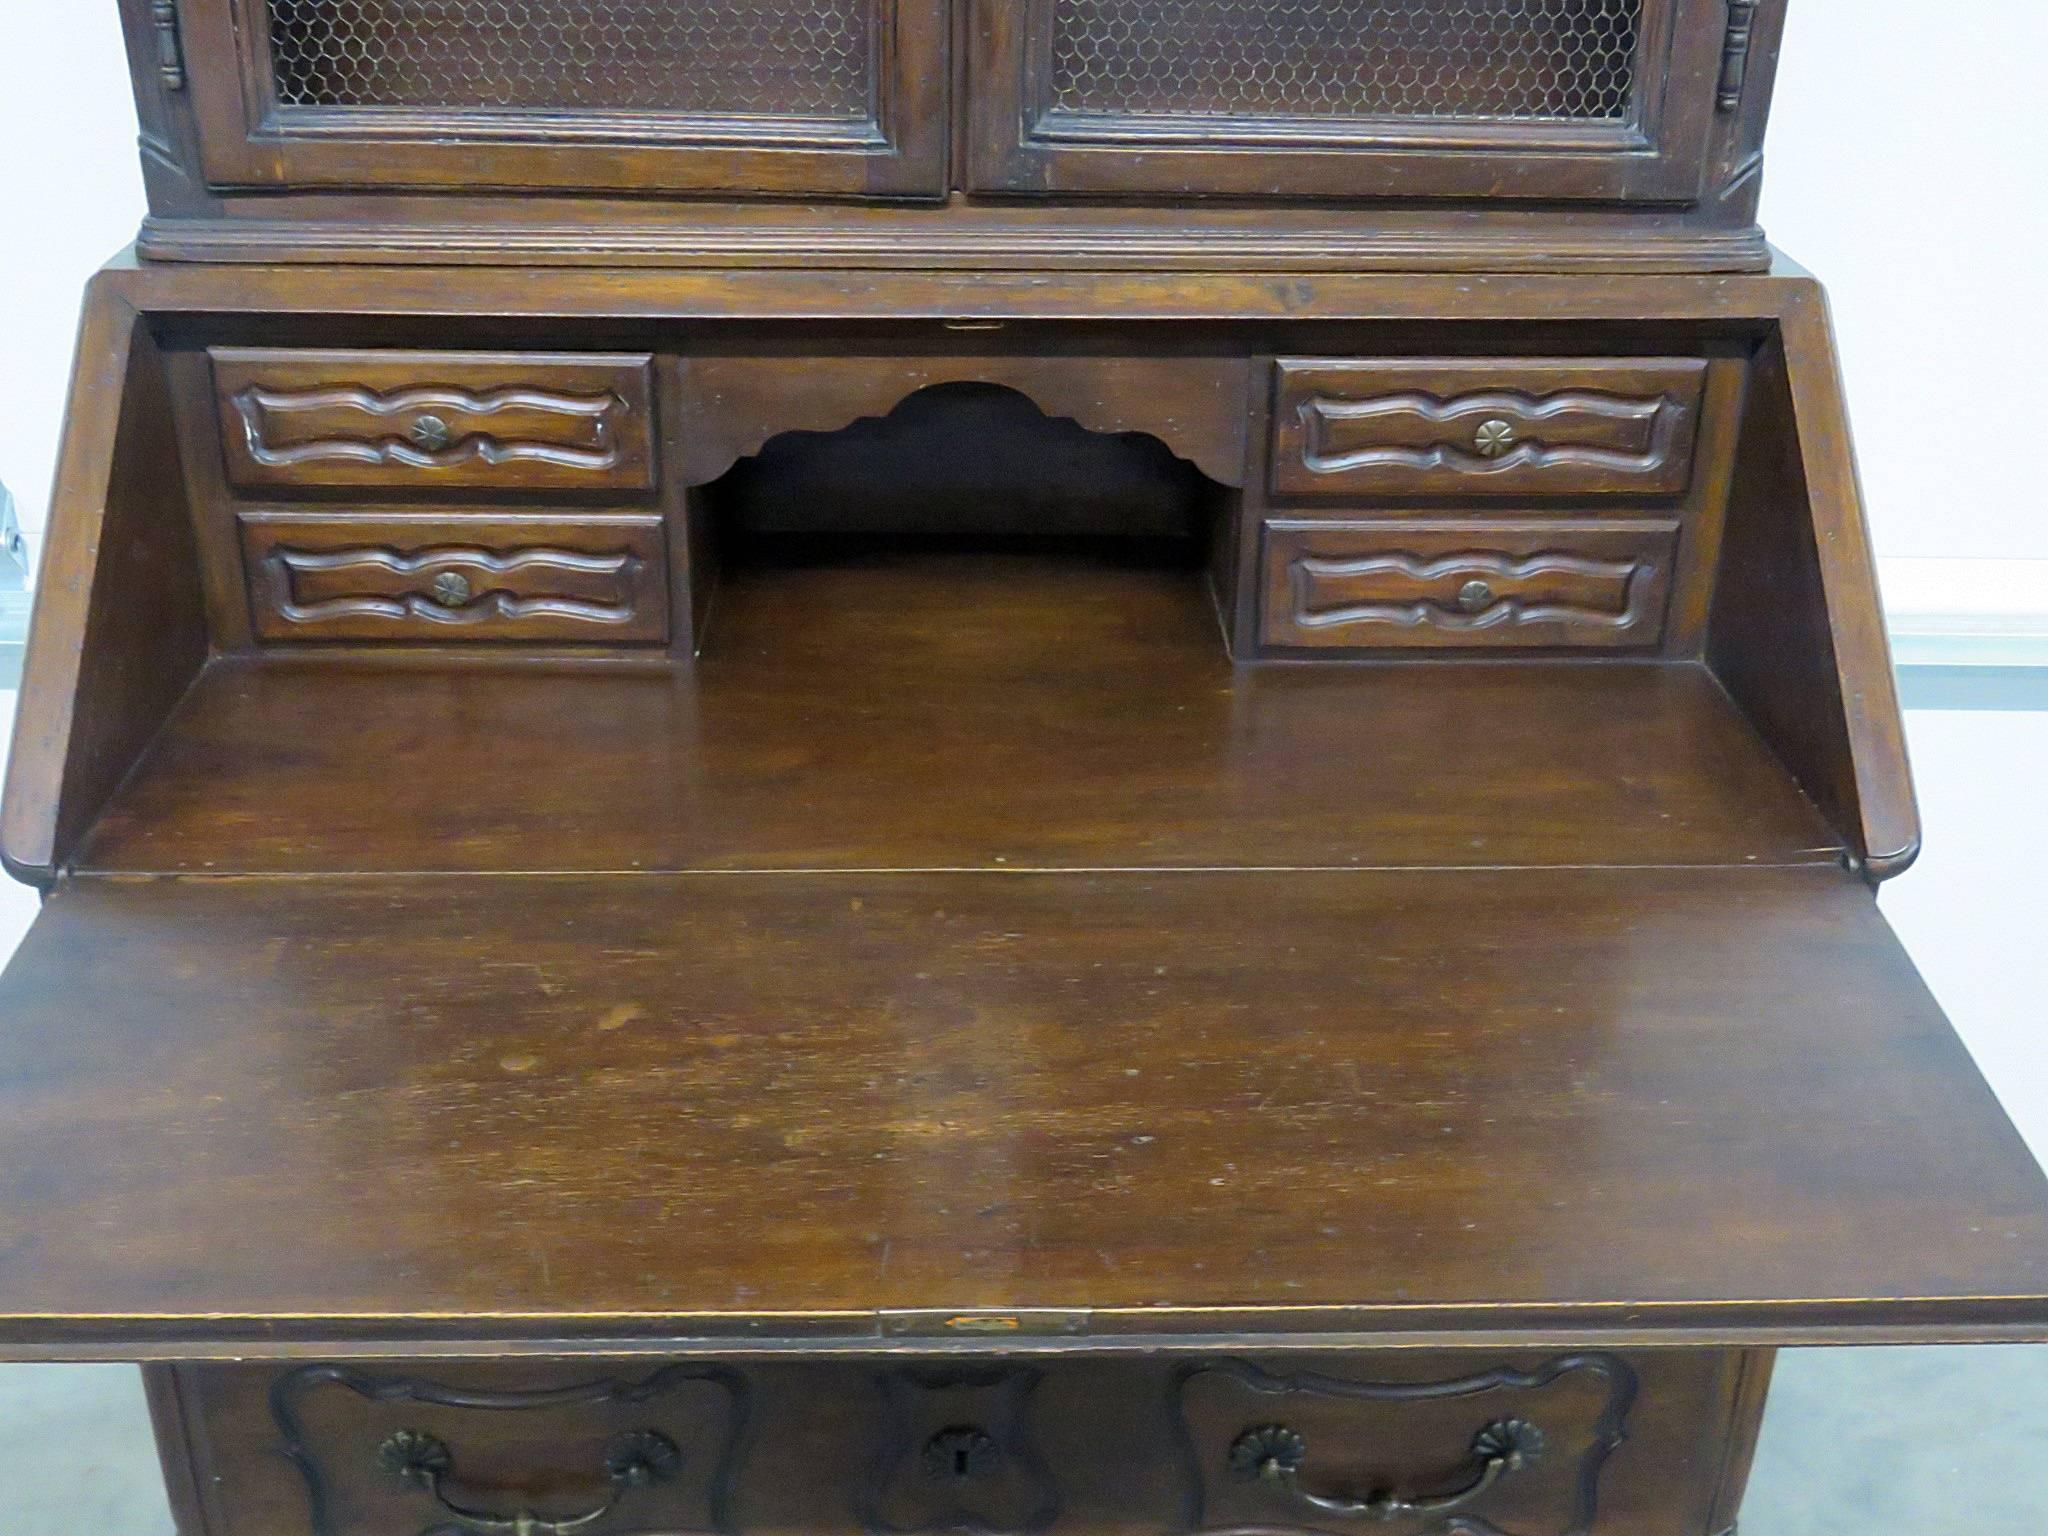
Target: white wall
x: 1907, y: 161
x: 71, y: 196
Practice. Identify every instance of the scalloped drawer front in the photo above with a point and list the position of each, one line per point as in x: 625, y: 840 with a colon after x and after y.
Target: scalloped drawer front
x: 441, y: 578
x: 1412, y: 1442
x: 1513, y: 427
x: 1370, y: 586
x: 435, y: 421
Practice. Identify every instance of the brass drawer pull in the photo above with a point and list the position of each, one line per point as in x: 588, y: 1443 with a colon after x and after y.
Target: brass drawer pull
x: 1494, y: 438
x: 638, y: 1459
x: 430, y: 433
x: 1274, y: 1453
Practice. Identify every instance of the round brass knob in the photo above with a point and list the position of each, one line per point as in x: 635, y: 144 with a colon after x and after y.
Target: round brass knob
x: 1494, y: 438
x: 1475, y: 596
x: 452, y: 589
x: 430, y: 433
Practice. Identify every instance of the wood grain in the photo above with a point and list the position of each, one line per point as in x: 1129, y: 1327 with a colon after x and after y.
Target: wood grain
x: 1572, y: 1104
x: 929, y: 711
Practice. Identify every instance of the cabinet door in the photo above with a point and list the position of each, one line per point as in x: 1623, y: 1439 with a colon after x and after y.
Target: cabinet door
x: 1593, y: 100
x: 843, y: 97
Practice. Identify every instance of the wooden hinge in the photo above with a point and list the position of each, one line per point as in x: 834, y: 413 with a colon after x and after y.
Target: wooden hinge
x: 1735, y: 53
x: 170, y: 51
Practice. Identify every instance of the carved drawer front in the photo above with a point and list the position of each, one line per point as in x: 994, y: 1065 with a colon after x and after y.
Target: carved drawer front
x: 1513, y: 427
x: 1493, y: 1450
x: 1413, y: 1442
x: 1474, y: 584
x: 435, y: 421
x: 443, y: 577
x: 955, y: 1450
x: 600, y: 1449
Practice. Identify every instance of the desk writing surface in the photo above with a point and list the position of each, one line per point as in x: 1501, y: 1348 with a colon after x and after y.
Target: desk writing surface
x: 953, y: 712
x: 293, y: 1112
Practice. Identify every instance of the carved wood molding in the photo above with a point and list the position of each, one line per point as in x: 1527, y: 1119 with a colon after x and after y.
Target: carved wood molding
x: 1492, y: 432
x: 1573, y: 583
x: 1496, y: 427
x: 955, y: 1453
x: 451, y: 585
x: 1474, y: 590
x: 1197, y: 407
x: 511, y: 421
x: 170, y: 48
x: 283, y: 428
x: 430, y: 576
x: 1735, y: 50
x: 1282, y: 241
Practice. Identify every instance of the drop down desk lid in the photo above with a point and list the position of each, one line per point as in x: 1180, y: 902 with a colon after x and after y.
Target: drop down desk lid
x: 291, y: 1115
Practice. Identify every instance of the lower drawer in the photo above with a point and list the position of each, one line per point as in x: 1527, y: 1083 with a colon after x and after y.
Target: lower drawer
x: 1461, y: 585
x: 457, y: 577
x: 1647, y: 1444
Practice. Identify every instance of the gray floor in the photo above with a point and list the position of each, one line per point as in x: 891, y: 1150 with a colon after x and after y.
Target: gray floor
x: 1857, y: 1442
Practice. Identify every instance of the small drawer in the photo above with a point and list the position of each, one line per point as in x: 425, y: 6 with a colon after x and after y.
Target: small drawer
x: 439, y: 577
x: 636, y: 1448
x: 1439, y: 584
x: 435, y: 421
x: 1510, y: 427
x: 1278, y: 1447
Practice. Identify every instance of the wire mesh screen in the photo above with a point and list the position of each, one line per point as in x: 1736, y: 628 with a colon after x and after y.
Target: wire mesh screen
x: 784, y: 58
x: 1498, y: 59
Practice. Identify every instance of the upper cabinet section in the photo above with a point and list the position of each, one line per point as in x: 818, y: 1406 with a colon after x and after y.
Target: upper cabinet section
x: 1601, y: 100
x: 960, y: 135
x: 772, y: 97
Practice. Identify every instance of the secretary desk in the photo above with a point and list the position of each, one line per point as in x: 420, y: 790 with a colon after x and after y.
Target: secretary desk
x: 987, y: 766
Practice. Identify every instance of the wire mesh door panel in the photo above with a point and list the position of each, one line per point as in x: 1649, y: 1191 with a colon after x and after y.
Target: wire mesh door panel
x: 752, y: 58
x: 1594, y: 99
x: 1339, y: 60
x: 726, y: 95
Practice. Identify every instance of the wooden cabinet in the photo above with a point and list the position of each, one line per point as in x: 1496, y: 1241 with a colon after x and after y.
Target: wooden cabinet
x: 1538, y: 132
x: 1597, y: 100
x: 1014, y: 766
x: 735, y: 96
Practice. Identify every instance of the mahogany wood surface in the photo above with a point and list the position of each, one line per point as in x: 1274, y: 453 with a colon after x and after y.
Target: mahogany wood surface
x: 1574, y: 1104
x: 935, y: 711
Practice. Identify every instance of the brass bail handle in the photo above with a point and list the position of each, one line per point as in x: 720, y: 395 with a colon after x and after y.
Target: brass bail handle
x: 1274, y: 1453
x: 638, y: 1459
